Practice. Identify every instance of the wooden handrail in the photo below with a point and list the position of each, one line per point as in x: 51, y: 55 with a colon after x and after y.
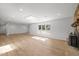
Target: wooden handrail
x: 75, y: 24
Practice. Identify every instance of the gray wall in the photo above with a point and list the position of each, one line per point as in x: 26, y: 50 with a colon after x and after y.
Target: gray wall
x: 60, y: 28
x: 13, y: 28
x: 2, y: 29
x: 16, y: 28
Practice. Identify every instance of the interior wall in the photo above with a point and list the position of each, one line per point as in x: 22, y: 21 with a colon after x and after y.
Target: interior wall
x: 60, y: 28
x: 2, y: 29
x: 16, y: 29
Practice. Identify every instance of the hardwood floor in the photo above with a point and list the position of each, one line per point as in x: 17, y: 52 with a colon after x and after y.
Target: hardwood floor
x: 29, y: 45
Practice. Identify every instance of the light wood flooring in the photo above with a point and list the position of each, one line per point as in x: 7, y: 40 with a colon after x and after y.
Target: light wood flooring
x: 26, y: 45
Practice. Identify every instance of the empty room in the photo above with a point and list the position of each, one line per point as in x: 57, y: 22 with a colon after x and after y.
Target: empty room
x: 39, y: 29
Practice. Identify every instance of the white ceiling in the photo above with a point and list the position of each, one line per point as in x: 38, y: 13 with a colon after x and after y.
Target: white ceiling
x: 35, y: 12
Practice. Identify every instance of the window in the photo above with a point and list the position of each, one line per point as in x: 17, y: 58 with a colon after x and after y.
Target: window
x: 44, y: 27
x: 47, y: 27
x: 39, y: 27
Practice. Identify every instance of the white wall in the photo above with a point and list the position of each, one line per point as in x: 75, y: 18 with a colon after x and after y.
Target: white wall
x: 16, y: 28
x: 60, y: 28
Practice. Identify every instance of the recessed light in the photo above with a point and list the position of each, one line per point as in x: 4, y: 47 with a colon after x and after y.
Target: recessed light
x: 13, y: 16
x: 58, y: 14
x: 20, y: 9
x: 31, y: 17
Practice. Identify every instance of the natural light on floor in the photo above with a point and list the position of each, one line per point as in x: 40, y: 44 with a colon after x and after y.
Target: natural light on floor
x: 40, y: 38
x: 7, y: 48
